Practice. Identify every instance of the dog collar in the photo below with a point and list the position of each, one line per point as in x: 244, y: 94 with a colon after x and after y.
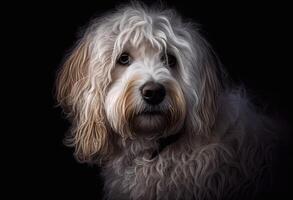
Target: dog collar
x: 164, y: 143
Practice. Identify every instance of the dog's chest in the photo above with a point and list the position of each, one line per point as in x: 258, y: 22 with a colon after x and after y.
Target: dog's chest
x: 148, y: 179
x: 210, y: 172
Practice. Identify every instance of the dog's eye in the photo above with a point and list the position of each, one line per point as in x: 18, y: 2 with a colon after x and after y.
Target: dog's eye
x: 169, y: 60
x: 124, y: 59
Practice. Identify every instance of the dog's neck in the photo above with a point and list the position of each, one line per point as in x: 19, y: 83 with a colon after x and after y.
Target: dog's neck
x: 164, y: 143
x: 148, y: 147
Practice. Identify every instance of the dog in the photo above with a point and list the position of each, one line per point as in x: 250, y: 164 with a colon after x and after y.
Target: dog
x: 148, y: 102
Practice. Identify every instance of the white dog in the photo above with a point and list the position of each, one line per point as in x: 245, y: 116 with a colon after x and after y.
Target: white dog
x: 147, y: 102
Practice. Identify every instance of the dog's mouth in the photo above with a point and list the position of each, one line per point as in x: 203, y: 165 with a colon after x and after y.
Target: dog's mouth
x: 149, y: 121
x: 151, y: 113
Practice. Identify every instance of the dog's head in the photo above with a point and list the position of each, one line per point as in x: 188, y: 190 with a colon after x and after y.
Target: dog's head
x: 137, y: 72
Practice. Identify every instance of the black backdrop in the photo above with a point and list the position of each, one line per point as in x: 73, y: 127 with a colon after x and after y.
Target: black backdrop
x: 251, y: 40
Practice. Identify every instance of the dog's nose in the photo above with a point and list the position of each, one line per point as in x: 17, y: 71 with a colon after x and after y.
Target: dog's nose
x: 153, y: 93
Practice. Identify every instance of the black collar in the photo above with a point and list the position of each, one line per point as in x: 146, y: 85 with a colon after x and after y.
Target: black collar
x: 164, y: 142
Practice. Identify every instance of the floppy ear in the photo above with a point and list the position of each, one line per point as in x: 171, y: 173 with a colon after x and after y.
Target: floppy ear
x: 209, y: 87
x: 207, y: 105
x: 71, y: 77
x: 82, y: 101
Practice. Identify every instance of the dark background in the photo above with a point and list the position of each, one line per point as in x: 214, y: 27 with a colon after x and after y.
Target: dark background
x: 252, y: 41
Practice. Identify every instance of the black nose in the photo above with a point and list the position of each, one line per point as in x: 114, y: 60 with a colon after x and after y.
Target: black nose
x: 153, y: 93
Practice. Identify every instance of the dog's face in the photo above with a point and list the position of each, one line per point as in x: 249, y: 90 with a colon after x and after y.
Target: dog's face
x: 137, y: 73
x: 145, y: 97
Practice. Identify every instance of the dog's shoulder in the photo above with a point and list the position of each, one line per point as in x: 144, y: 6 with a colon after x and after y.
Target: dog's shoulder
x: 236, y: 112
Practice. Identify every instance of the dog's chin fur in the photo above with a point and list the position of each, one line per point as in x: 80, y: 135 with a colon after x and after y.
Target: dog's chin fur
x: 149, y: 123
x: 204, y: 141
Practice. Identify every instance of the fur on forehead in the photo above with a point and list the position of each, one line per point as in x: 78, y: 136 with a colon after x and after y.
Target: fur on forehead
x: 135, y: 26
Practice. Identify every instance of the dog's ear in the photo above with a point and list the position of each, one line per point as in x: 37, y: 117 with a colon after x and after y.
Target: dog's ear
x: 208, y: 93
x: 80, y: 95
x: 208, y: 88
x: 71, y: 77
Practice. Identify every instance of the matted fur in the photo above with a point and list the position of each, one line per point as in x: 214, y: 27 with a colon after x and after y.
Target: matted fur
x: 223, y: 148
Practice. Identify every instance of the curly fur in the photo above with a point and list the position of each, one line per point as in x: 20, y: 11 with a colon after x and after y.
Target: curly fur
x: 222, y: 151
